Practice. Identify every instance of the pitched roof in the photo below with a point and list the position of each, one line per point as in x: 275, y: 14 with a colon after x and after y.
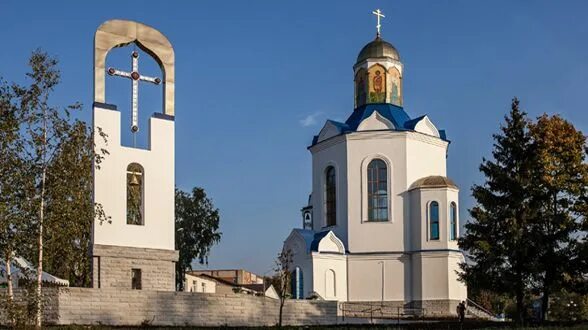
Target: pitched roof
x: 395, y: 114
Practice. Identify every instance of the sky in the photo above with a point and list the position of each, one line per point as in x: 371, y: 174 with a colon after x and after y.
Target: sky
x: 255, y: 80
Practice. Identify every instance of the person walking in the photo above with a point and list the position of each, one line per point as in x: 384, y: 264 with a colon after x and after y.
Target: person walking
x: 461, y: 309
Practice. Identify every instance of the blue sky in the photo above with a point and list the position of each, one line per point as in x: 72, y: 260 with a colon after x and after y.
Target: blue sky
x: 256, y: 79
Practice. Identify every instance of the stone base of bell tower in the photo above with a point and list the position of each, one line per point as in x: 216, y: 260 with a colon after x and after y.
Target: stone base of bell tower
x: 125, y: 267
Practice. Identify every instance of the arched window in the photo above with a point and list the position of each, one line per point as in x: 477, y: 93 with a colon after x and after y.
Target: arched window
x: 135, y: 181
x: 330, y: 196
x: 297, y: 284
x: 377, y: 180
x: 453, y: 221
x: 434, y: 220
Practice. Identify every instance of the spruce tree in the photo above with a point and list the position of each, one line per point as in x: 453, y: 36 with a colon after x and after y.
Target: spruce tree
x: 496, y: 241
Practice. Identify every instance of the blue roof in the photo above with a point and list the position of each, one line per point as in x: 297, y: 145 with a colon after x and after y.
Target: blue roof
x: 317, y: 239
x: 412, y: 123
x: 395, y: 114
x: 311, y: 238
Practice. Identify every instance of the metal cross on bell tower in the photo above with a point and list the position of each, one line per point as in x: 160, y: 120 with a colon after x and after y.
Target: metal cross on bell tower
x: 135, y: 78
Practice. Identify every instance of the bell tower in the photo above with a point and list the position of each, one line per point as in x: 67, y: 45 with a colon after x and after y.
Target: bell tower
x: 135, y: 187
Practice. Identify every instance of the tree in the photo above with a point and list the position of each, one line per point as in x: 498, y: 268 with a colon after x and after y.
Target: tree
x: 568, y: 306
x: 70, y: 208
x: 197, y: 224
x: 496, y: 242
x: 13, y: 218
x: 283, y: 266
x: 53, y: 154
x: 560, y: 177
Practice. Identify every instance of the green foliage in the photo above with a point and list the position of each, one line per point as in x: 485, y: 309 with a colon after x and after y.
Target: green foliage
x: 197, y: 229
x: 70, y: 209
x: 46, y: 207
x: 568, y: 306
x: 526, y: 235
x: 560, y: 177
x: 497, y: 242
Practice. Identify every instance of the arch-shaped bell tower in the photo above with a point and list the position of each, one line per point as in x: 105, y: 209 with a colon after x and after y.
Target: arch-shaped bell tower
x: 135, y: 187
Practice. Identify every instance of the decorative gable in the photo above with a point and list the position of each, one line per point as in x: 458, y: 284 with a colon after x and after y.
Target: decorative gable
x: 330, y: 129
x: 375, y: 122
x: 331, y: 243
x: 426, y: 126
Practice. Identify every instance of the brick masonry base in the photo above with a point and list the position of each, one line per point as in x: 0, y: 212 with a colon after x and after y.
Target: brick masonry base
x: 112, y: 265
x: 137, y: 307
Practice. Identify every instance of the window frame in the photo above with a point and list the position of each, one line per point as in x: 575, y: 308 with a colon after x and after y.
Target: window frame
x: 453, y: 221
x: 370, y: 193
x: 297, y: 283
x: 431, y: 222
x: 330, y: 196
x: 365, y: 189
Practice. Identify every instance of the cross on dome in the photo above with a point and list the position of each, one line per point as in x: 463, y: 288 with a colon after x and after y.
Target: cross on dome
x: 135, y: 78
x: 379, y: 15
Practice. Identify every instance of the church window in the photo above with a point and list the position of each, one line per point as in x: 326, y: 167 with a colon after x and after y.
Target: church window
x: 136, y: 279
x: 377, y: 173
x: 453, y: 221
x: 297, y: 282
x: 434, y: 220
x: 135, y: 181
x: 330, y: 196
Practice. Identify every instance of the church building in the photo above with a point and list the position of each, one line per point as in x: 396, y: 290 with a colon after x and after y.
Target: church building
x: 381, y: 224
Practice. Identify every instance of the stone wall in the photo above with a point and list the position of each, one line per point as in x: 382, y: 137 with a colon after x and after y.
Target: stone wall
x: 440, y: 307
x: 112, y: 265
x: 387, y: 309
x: 134, y: 307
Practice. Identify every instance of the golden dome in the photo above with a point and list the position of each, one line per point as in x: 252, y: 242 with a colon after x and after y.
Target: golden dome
x: 378, y: 49
x: 434, y: 181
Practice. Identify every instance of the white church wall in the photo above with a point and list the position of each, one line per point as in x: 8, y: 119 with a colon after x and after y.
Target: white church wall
x: 365, y: 277
x: 443, y: 196
x: 331, y: 153
x: 457, y: 290
x: 366, y: 236
x: 438, y: 278
x: 431, y: 268
x: 158, y: 164
x: 417, y: 221
x: 425, y: 156
x: 301, y: 258
x: 330, y: 275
